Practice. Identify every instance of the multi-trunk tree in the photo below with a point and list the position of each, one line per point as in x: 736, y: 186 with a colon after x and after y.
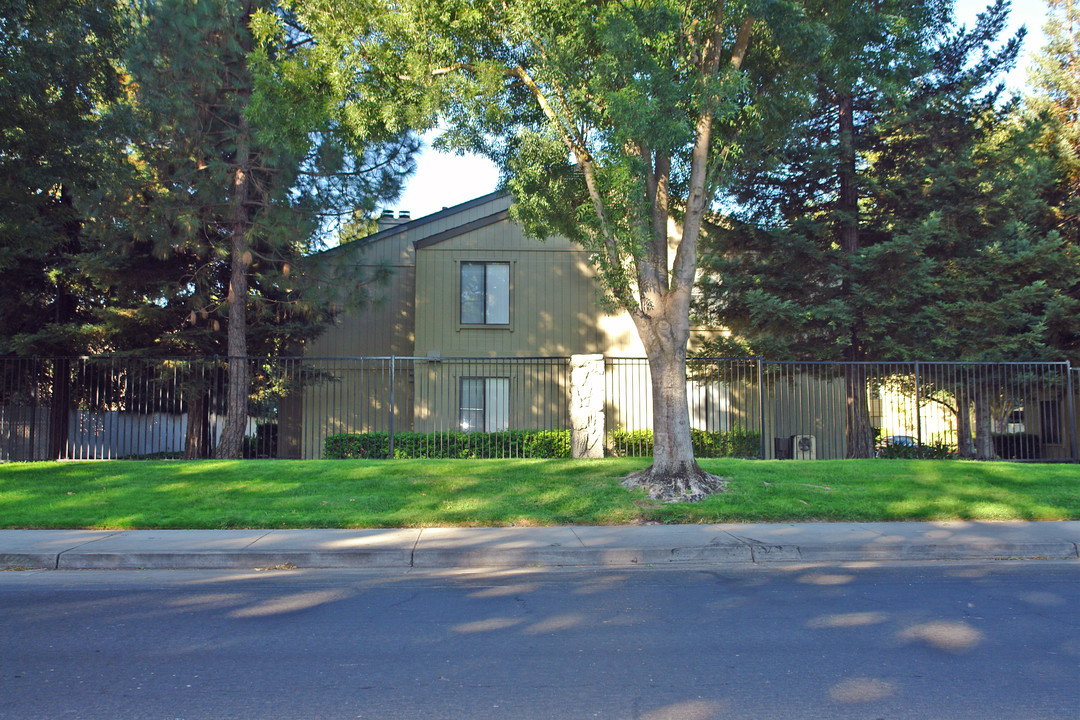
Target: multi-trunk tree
x: 616, y: 124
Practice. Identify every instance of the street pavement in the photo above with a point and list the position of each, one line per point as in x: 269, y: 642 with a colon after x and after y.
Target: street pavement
x: 584, y: 546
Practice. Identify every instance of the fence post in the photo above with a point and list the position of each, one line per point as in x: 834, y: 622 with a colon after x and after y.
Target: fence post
x: 1072, y: 411
x: 34, y: 368
x: 761, y: 404
x: 918, y: 415
x: 587, y: 406
x: 393, y: 362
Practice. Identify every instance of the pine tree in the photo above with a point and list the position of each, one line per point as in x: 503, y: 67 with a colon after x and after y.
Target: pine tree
x: 841, y: 251
x: 237, y: 166
x: 56, y: 68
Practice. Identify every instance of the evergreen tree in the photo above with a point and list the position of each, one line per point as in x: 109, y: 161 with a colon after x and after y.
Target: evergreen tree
x: 56, y: 68
x: 1055, y: 79
x: 237, y: 166
x: 851, y: 239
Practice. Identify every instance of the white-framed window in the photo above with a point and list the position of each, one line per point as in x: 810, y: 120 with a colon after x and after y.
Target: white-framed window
x: 485, y: 293
x: 484, y: 404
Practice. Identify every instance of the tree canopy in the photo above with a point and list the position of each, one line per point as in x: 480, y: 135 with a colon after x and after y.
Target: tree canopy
x: 616, y: 125
x: 171, y: 164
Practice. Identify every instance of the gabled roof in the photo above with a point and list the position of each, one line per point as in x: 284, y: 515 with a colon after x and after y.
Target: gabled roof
x: 434, y: 217
x: 461, y: 229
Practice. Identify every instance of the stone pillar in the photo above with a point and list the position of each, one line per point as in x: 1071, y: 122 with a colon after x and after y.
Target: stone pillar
x: 587, y: 406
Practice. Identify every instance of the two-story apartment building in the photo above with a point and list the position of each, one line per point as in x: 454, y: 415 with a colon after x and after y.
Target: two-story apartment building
x: 464, y: 284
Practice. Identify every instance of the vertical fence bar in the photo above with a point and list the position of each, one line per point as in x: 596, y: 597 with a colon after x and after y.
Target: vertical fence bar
x: 33, y: 409
x: 1072, y: 411
x: 918, y: 415
x: 136, y: 407
x: 761, y: 403
x: 393, y: 364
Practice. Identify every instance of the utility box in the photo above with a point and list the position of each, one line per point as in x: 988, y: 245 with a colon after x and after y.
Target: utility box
x: 803, y: 447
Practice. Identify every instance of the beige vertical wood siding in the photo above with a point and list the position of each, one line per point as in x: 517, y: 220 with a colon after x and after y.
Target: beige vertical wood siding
x: 538, y: 397
x: 353, y: 396
x: 383, y: 325
x: 555, y: 312
x: 554, y: 300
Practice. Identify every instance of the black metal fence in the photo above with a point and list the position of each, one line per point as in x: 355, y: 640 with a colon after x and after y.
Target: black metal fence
x: 122, y: 407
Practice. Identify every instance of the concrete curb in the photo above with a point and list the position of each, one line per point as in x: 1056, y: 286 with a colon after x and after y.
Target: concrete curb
x: 450, y: 548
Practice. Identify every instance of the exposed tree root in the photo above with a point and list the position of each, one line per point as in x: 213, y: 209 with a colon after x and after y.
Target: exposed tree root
x: 687, y: 484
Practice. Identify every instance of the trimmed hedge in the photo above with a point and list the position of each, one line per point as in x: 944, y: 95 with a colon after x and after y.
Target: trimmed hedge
x: 737, y: 442
x: 526, y: 443
x: 464, y: 445
x: 934, y: 450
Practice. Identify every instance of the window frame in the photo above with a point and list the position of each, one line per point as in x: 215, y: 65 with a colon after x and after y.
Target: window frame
x: 509, y: 324
x: 484, y: 409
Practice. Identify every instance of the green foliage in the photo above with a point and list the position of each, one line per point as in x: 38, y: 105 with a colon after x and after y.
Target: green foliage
x: 56, y: 69
x: 124, y: 128
x: 805, y: 271
x: 1055, y: 83
x: 933, y: 450
x: 206, y: 167
x: 735, y: 443
x: 470, y: 445
x: 612, y: 123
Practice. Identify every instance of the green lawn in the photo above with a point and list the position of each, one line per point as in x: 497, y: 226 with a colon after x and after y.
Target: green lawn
x: 415, y: 493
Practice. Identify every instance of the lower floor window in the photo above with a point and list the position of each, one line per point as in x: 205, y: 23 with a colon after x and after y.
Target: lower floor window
x: 485, y: 404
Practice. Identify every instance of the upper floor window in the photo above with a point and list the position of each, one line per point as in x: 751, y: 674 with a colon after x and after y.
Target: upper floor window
x: 485, y: 293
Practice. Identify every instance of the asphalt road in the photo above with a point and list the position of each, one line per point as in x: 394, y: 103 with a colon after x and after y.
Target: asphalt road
x: 906, y: 640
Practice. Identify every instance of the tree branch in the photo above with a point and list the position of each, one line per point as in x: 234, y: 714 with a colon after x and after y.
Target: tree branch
x: 576, y: 146
x: 686, y: 255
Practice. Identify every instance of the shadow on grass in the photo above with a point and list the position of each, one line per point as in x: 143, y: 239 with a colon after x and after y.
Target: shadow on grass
x: 361, y: 494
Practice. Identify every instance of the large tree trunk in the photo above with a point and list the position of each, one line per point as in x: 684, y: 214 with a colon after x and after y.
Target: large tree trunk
x: 984, y: 423
x: 60, y: 409
x: 860, y: 436
x: 675, y: 475
x: 197, y: 438
x: 239, y: 376
x: 64, y: 312
x: 965, y: 443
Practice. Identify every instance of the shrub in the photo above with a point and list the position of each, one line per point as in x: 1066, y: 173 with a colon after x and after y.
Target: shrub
x: 453, y: 444
x: 934, y: 450
x: 737, y: 442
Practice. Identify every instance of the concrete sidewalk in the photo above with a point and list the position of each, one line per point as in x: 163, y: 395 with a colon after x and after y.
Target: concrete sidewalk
x: 543, y: 547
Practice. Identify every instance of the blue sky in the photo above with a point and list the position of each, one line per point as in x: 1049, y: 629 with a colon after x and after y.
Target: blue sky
x: 442, y: 180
